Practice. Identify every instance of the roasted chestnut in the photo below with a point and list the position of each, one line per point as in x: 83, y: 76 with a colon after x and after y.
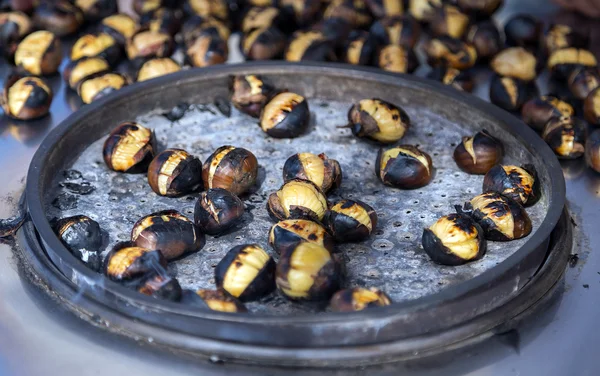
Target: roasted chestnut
x: 591, y: 107
x: 249, y: 93
x: 385, y: 8
x: 538, y: 111
x: 509, y: 93
x: 561, y: 63
x: 519, y: 183
x: 354, y: 12
x: 562, y: 36
x: 231, y: 168
x: 583, y: 80
x: 60, y: 17
x: 450, y: 51
x: 461, y: 80
x: 129, y: 148
x: 308, y: 272
x: 285, y: 235
x: 216, y: 300
x: 592, y: 150
x: 246, y: 272
x: 119, y: 26
x: 448, y: 20
x: 126, y: 261
x: 161, y: 286
x: 174, y: 172
x: 350, y: 221
x: 325, y: 173
x: 99, y: 85
x: 197, y: 26
x: 515, y: 62
x: 479, y: 153
x: 206, y: 50
x: 147, y: 44
x: 157, y: 67
x: 83, y: 237
x: 302, y: 12
x: 486, y: 39
x: 297, y: 199
x: 144, y: 6
x: 260, y: 17
x: 263, y: 44
x: 565, y: 136
x: 208, y: 8
x: 94, y: 10
x: 39, y: 53
x: 422, y: 9
x: 453, y: 240
x: 378, y: 120
x: 501, y: 218
x: 163, y: 20
x: 334, y: 29
x: 25, y: 98
x: 309, y: 46
x: 399, y: 30
x: 523, y: 30
x: 286, y: 115
x: 100, y: 45
x: 14, y: 26
x: 397, y: 59
x: 217, y: 210
x: 480, y: 8
x: 404, y: 167
x: 357, y: 299
x: 360, y: 48
x: 78, y: 70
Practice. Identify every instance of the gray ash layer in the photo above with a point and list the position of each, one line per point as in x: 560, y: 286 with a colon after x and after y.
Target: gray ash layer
x: 392, y: 259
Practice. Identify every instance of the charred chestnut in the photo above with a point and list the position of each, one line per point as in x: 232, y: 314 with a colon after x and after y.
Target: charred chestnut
x: 231, y: 168
x: 260, y: 17
x: 39, y: 53
x: 83, y: 237
x: 303, y: 12
x: 565, y: 136
x: 357, y: 299
x: 448, y: 20
x: 157, y: 67
x: 422, y: 9
x: 519, y: 183
x: 309, y: 46
x: 523, y: 30
x: 307, y: 272
x: 453, y: 240
x: 249, y: 93
x: 450, y: 51
x: 378, y: 120
x: 583, y: 80
x: 297, y: 199
x: 286, y: 115
x: 350, y: 221
x: 515, y: 62
x: 208, y: 8
x: 101, y: 45
x: 561, y: 63
x: 94, y: 10
x: 360, y: 48
x: 325, y: 173
x: 591, y: 107
x: 174, y: 172
x: 397, y: 59
x: 144, y: 6
x: 287, y: 234
x: 500, y: 217
x: 404, y: 167
x: 25, y: 98
x: 217, y: 210
x: 161, y: 286
x: 353, y: 12
x: 480, y: 8
x: 478, y: 154
x: 461, y: 80
x: 263, y: 44
x: 384, y: 8
x: 509, y: 93
x: 216, y: 300
x: 400, y: 30
x: 129, y: 148
x: 148, y: 44
x: 246, y: 272
x: 119, y: 26
x: 60, y: 17
x: 126, y: 261
x: 334, y: 29
x: 197, y: 26
x: 163, y: 20
x: 14, y: 26
x: 538, y: 111
x: 592, y: 150
x: 78, y: 70
x: 486, y: 39
x: 206, y: 50
x: 99, y: 85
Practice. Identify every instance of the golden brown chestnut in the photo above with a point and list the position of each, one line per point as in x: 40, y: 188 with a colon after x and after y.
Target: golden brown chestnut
x: 515, y: 62
x: 592, y: 150
x: 397, y: 59
x: 216, y: 300
x: 39, y: 53
x: 174, y: 172
x: 450, y: 51
x: 461, y: 80
x: 480, y: 8
x: 301, y: 12
x: 99, y: 85
x: 357, y: 299
x: 354, y: 12
x: 286, y: 115
x: 14, y: 26
x: 169, y: 232
x: 207, y: 50
x: 94, y: 10
x: 83, y: 237
x: 350, y: 221
x: 157, y: 67
x: 126, y: 261
x: 119, y: 26
x: 147, y: 44
x: 399, y: 30
x: 359, y: 48
x: 561, y: 36
x: 260, y: 17
x: 510, y: 93
x: 163, y: 20
x: 453, y: 240
x: 501, y: 218
x: 263, y: 44
x: 591, y: 107
x: 421, y: 9
x: 308, y: 272
x: 583, y: 80
x: 523, y: 30
x: 100, y: 45
x: 519, y: 183
x: 486, y: 39
x: 448, y: 20
x: 537, y: 111
x: 561, y: 63
x: 378, y: 120
x: 25, y: 98
x: 479, y: 153
x: 404, y: 167
x: 78, y: 70
x: 217, y: 210
x: 231, y: 168
x: 309, y: 46
x: 208, y: 8
x: 161, y: 286
x: 297, y: 199
x: 250, y: 93
x: 325, y: 173
x: 566, y: 136
x: 246, y: 272
x: 385, y: 8
x: 197, y: 26
x: 129, y: 148
x: 60, y: 17
x: 285, y: 235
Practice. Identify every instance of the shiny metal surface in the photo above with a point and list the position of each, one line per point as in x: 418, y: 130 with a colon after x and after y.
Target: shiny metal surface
x: 38, y: 337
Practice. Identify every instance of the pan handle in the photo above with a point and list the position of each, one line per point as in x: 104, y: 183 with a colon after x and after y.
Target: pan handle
x: 9, y: 226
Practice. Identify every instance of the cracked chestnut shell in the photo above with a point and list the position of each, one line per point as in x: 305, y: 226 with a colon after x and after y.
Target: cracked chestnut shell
x: 355, y: 13
x: 126, y: 261
x: 100, y: 84
x: 246, y: 272
x: 129, y: 148
x: 168, y: 231
x: 157, y: 67
x: 309, y: 46
x: 162, y: 20
x: 197, y: 26
x: 500, y: 217
x: 461, y: 80
x: 25, y: 98
x: 174, y: 172
x: 583, y: 80
x: 591, y: 107
x: 486, y: 39
x: 385, y: 8
x: 119, y: 26
x: 592, y: 150
x: 250, y: 93
x: 308, y: 272
x: 287, y: 234
x: 454, y: 239
x: 397, y: 59
x: 207, y: 8
x: 404, y: 167
x: 297, y: 199
x: 83, y: 237
x: 265, y: 43
x: 206, y: 50
x: 79, y: 70
x: 325, y: 173
x: 562, y: 62
x: 448, y: 20
x: 359, y: 48
x: 261, y: 17
x: 350, y: 221
x: 358, y: 298
x: 14, y: 26
x: 523, y: 30
x: 566, y: 136
x: 217, y: 210
x: 215, y: 300
x: 515, y: 62
x: 160, y: 286
x: 100, y: 45
x: 39, y: 53
x: 378, y: 120
x: 286, y: 115
x: 519, y: 183
x: 147, y: 44
x: 302, y: 12
x: 60, y: 17
x: 537, y: 111
x: 398, y: 30
x: 94, y: 10
x: 231, y: 168
x: 561, y: 36
x: 479, y: 153
x: 510, y: 93
x: 451, y: 52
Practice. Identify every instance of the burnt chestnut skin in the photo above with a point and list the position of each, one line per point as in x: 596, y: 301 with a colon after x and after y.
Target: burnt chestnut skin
x: 37, y: 94
x: 500, y: 217
x: 286, y: 115
x: 126, y: 261
x: 486, y: 39
x: 523, y: 31
x: 537, y: 111
x: 137, y: 144
x: 478, y: 154
x: 357, y: 299
x: 287, y: 234
x: 59, y: 17
x: 250, y: 93
x: 519, y: 183
x: 83, y: 237
x: 231, y: 168
x: 404, y: 167
x: 324, y: 172
x: 378, y: 120
x: 566, y: 136
x: 217, y: 210
x: 461, y: 80
x: 160, y: 286
x: 174, y: 172
x: 510, y: 93
x: 350, y: 221
x: 297, y: 199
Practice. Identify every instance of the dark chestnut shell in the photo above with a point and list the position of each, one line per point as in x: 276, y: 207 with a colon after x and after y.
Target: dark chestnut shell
x: 519, y: 183
x: 163, y: 20
x: 309, y: 46
x: 450, y: 51
x: 397, y: 59
x: 398, y: 30
x: 537, y: 111
x: 561, y: 63
x: 591, y: 107
x: 60, y: 17
x: 563, y: 36
x: 286, y: 115
x: 406, y: 170
x: 378, y: 120
x: 14, y: 26
x: 141, y: 156
x: 510, y: 93
x: 126, y: 261
x: 250, y: 93
x: 183, y: 173
x: 478, y: 154
x: 384, y: 8
x: 347, y: 301
x: 350, y: 221
x: 523, y: 30
x: 83, y: 237
x: 592, y: 150
x: 263, y: 44
x: 315, y: 168
x: 285, y: 235
x: 307, y: 201
x: 77, y: 68
x: 486, y: 38
x: 160, y: 286
x: 461, y: 80
x: 566, y: 136
x: 110, y: 51
x: 300, y: 12
x: 119, y: 26
x: 217, y: 210
x: 97, y: 9
x: 207, y: 50
x: 231, y: 168
x: 360, y: 48
x: 583, y: 81
x: 38, y: 99
x: 448, y: 20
